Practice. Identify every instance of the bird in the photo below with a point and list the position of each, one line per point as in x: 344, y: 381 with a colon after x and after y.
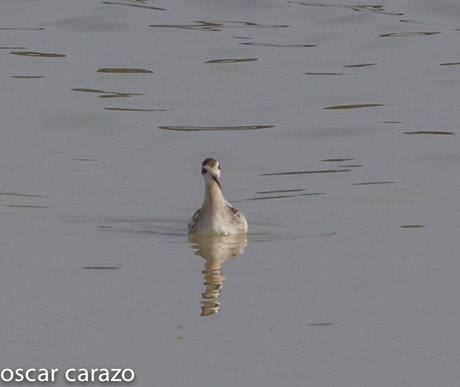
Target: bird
x: 216, y: 215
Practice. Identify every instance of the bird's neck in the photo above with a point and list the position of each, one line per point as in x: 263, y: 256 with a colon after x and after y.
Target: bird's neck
x: 213, y: 196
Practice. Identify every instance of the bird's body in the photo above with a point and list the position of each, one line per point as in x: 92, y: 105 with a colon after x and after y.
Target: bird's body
x: 216, y: 216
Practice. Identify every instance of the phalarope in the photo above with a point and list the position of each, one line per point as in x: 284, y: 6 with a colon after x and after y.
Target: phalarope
x: 216, y: 215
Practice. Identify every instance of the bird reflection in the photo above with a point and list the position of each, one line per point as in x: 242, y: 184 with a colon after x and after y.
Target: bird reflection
x: 215, y: 250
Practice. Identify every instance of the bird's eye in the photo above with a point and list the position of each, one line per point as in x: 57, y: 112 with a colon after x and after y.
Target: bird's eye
x: 203, y: 171
x: 218, y: 167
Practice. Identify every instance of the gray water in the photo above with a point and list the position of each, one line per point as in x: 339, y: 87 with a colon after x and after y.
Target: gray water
x: 337, y: 129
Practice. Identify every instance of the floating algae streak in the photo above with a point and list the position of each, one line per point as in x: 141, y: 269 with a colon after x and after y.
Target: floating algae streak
x: 435, y: 132
x: 214, y: 128
x: 38, y: 54
x: 357, y: 106
x: 234, y: 60
x: 124, y: 70
x: 305, y: 172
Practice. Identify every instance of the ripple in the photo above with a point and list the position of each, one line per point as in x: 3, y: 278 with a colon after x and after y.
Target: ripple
x: 420, y: 33
x: 217, y: 25
x: 280, y: 45
x: 377, y: 9
x: 25, y: 195
x: 135, y: 109
x: 27, y: 76
x: 338, y: 159
x: 281, y: 191
x: 25, y: 206
x: 319, y: 73
x: 412, y: 226
x: 231, y: 60
x: 432, y: 132
x: 450, y: 64
x: 37, y: 54
x: 376, y: 182
x: 12, y: 48
x: 321, y: 324
x: 21, y: 28
x: 214, y: 128
x: 284, y: 196
x: 360, y: 65
x: 106, y: 94
x: 355, y: 106
x: 305, y: 172
x: 133, y: 5
x: 101, y: 267
x: 121, y: 70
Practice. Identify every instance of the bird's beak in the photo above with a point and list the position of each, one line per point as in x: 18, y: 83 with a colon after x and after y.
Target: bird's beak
x: 216, y: 179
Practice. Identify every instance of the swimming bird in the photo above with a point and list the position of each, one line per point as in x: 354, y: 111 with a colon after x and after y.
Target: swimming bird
x: 216, y: 216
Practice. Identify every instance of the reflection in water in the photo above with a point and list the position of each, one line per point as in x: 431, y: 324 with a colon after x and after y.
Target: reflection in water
x: 215, y: 250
